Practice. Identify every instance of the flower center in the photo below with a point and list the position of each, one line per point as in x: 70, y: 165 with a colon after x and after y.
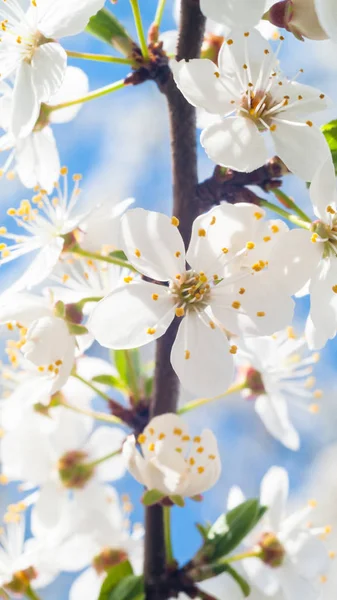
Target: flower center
x: 256, y: 106
x: 109, y: 557
x: 326, y: 234
x: 272, y: 551
x: 193, y: 289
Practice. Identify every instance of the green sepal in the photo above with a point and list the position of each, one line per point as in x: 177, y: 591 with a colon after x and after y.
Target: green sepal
x: 330, y: 132
x: 151, y: 497
x: 177, y: 500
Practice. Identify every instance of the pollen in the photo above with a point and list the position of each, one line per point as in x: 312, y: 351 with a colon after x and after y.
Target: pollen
x: 318, y: 394
x: 334, y: 289
x: 151, y: 447
x: 180, y: 311
x: 64, y: 171
x: 330, y: 210
x: 11, y: 212
x: 177, y: 431
x: 217, y: 74
x: 202, y: 232
x: 161, y: 436
x: 312, y: 503
x: 314, y: 238
x: 212, y: 325
x: 186, y: 438
x: 250, y: 245
x: 260, y: 313
x: 309, y: 123
x: 258, y: 215
x: 179, y: 450
x: 192, y: 461
x: 230, y: 42
x: 151, y: 431
x: 273, y: 127
x: 151, y: 331
x: 58, y: 363
x: 236, y: 305
x: 323, y: 579
x: 3, y: 479
x: 187, y: 354
x: 175, y: 221
x: 212, y: 456
x: 267, y: 238
x: 197, y: 439
x: 213, y: 221
x: 141, y: 439
x: 242, y: 291
x: 3, y: 230
x: 322, y: 96
x: 201, y: 470
x: 275, y: 228
x: 332, y: 554
x: 128, y: 279
x: 200, y: 450
x: 155, y: 296
x: 225, y: 250
x: 233, y: 349
x: 314, y: 409
x: 177, y: 254
x: 137, y: 253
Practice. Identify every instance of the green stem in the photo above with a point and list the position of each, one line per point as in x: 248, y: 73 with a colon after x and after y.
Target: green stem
x: 98, y: 416
x: 283, y: 213
x: 159, y: 13
x: 31, y: 594
x: 109, y: 259
x: 202, y: 401
x: 133, y: 375
x: 289, y: 203
x: 140, y: 29
x: 167, y: 536
x: 91, y: 386
x: 85, y: 301
x: 108, y: 89
x: 242, y: 556
x: 100, y: 58
x: 99, y: 461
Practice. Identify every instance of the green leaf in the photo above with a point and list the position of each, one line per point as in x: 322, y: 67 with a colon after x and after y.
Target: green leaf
x: 128, y: 365
x: 114, y: 576
x: 119, y: 254
x: 107, y: 28
x: 230, y: 529
x: 178, y: 501
x: 242, y: 583
x: 151, y: 497
x: 148, y: 387
x: 130, y: 588
x: 121, y: 364
x: 330, y: 132
x: 109, y: 380
x: 77, y: 329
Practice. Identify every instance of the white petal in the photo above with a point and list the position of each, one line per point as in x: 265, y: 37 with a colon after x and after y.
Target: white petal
x: 296, y: 586
x: 209, y: 460
x: 209, y: 369
x: 323, y: 189
x: 104, y: 441
x: 312, y: 99
x: 37, y: 160
x: 234, y: 13
x: 289, y: 142
x: 49, y: 68
x: 235, y: 143
x: 199, y: 81
x: 153, y: 244
x: 123, y: 318
x: 40, y: 267
x: 75, y: 85
x: 322, y: 324
x: 170, y: 40
x: 262, y: 576
x: 294, y: 259
x: 326, y: 12
x: 235, y: 497
x: 87, y: 586
x: 244, y: 49
x: 134, y: 461
x: 23, y: 308
x: 26, y: 107
x: 64, y: 18
x: 274, y: 494
x: 49, y: 506
x: 273, y: 412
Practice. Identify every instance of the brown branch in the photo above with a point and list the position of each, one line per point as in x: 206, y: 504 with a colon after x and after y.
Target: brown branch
x: 185, y: 208
x: 227, y: 185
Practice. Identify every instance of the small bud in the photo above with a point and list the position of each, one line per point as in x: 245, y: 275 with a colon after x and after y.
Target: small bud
x: 273, y: 552
x: 109, y: 557
x: 253, y: 381
x: 74, y: 472
x: 21, y: 581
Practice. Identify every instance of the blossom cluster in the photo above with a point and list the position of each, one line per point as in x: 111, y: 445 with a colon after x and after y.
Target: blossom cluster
x: 118, y: 277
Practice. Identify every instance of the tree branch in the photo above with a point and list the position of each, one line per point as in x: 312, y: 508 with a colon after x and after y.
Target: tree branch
x: 185, y: 208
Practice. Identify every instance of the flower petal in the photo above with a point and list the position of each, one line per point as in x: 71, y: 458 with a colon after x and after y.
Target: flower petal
x: 40, y: 267
x: 86, y: 585
x: 294, y: 259
x: 273, y: 412
x: 37, y: 160
x: 198, y: 80
x: 102, y: 442
x: 290, y: 139
x: 234, y: 12
x: 326, y: 12
x: 25, y: 107
x: 252, y: 49
x: 75, y: 85
x: 66, y: 18
x: 274, y: 494
x: 200, y: 356
x: 153, y: 244
x: 235, y: 143
x: 48, y: 69
x: 323, y: 189
x: 322, y: 323
x: 128, y: 316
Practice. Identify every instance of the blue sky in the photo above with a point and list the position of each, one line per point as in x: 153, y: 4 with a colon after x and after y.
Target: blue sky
x: 120, y: 143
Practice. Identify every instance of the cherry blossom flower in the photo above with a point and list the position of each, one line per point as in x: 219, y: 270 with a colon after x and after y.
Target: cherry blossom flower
x: 102, y: 227
x: 292, y: 557
x: 311, y: 256
x: 248, y: 89
x: 314, y: 19
x: 58, y: 456
x: 276, y: 369
x: 241, y: 13
x: 45, y: 221
x: 171, y: 461
x: 225, y: 289
x: 36, y: 158
x: 29, y: 53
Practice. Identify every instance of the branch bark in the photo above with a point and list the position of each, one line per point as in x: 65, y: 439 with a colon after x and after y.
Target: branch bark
x: 185, y: 208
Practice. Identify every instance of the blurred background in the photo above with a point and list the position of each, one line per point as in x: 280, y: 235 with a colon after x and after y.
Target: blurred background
x: 120, y: 144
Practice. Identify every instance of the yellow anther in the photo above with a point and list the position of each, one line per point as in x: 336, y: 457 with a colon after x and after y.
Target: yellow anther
x: 51, y: 368
x: 3, y: 230
x: 312, y: 503
x: 12, y: 518
x: 177, y: 431
x: 213, y: 221
x: 314, y: 409
x: 177, y: 254
x: 310, y: 382
x: 10, y: 326
x: 187, y: 354
x: 180, y: 311
x: 161, y: 436
x: 77, y: 177
x: 65, y: 278
x: 192, y: 461
x: 236, y: 304
x: 212, y: 456
x: 256, y: 267
x: 332, y: 554
x: 155, y: 296
x: 217, y: 74
x: 258, y: 215
x: 318, y: 394
x: 151, y: 331
x: 316, y: 356
x: 233, y: 349
x: 3, y: 479
x: 197, y: 439
x: 291, y: 333
x: 141, y: 439
x: 19, y: 39
x: 215, y: 277
x: 212, y: 325
x: 230, y: 42
x: 242, y: 291
x: 250, y: 245
x: 200, y: 450
x: 323, y: 579
x: 334, y: 289
x: 40, y: 369
x: 275, y: 228
x: 64, y: 171
x: 314, y: 238
x: 175, y: 221
x: 330, y: 210
x: 202, y: 232
x: 328, y: 529
x: 34, y: 3
x: 178, y: 276
x: 151, y: 447
x: 179, y: 450
x: 128, y: 279
x: 273, y: 127
x: 309, y: 123
x: 225, y: 250
x: 260, y: 313
x: 267, y: 238
x: 201, y: 470
x: 186, y: 438
x: 11, y: 212
x: 151, y: 431
x: 137, y: 253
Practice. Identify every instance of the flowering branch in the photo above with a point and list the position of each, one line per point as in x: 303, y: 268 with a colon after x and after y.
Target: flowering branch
x: 185, y: 180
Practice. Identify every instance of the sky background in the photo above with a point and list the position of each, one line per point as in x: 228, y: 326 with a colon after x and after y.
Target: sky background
x: 121, y: 146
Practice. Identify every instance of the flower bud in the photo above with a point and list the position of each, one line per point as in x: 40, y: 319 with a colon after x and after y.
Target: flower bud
x: 254, y: 385
x: 21, y: 581
x: 74, y: 472
x: 211, y: 46
x: 299, y: 17
x: 109, y: 557
x: 273, y: 552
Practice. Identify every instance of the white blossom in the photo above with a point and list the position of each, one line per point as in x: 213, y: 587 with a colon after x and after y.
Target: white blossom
x: 250, y: 98
x: 29, y: 53
x: 224, y: 290
x: 173, y: 462
x: 241, y: 13
x: 278, y: 375
x: 313, y: 19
